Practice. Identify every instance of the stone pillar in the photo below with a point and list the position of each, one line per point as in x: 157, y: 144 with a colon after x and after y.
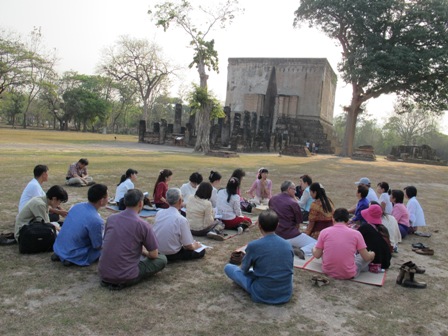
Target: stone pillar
x: 141, y: 130
x: 225, y: 129
x: 177, y: 118
x: 169, y: 129
x: 163, y: 129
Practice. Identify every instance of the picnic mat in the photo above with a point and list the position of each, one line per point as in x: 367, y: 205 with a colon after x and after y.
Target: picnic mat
x: 315, y: 265
x: 144, y: 213
x: 369, y: 278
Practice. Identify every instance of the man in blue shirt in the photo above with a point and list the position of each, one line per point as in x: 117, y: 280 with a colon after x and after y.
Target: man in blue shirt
x: 268, y: 266
x: 80, y: 239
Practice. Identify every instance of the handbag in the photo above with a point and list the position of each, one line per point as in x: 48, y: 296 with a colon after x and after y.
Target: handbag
x: 37, y: 237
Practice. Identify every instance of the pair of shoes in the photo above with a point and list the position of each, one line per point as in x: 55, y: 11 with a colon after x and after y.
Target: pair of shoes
x: 418, y: 246
x: 112, y: 286
x: 411, y: 265
x: 298, y: 252
x: 55, y: 257
x: 240, y: 229
x: 407, y: 274
x: 236, y: 257
x: 424, y: 251
x: 215, y: 236
x: 319, y: 280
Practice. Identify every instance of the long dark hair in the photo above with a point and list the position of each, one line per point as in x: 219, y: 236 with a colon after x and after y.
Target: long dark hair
x: 232, y: 187
x: 239, y: 173
x: 327, y: 205
x: 163, y: 175
x: 127, y: 175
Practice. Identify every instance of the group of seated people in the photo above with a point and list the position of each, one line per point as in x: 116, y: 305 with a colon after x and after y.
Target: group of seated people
x: 129, y: 249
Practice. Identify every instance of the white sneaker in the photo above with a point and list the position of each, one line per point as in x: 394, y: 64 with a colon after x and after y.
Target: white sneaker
x: 240, y: 230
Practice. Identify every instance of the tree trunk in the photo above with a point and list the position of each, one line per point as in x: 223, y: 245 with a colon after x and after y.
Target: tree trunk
x: 203, y: 131
x: 352, y: 115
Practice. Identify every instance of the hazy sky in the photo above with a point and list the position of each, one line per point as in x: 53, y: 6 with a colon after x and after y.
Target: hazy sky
x: 79, y: 30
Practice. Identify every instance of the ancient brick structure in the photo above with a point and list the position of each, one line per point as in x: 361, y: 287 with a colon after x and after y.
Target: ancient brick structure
x: 272, y: 105
x: 280, y: 102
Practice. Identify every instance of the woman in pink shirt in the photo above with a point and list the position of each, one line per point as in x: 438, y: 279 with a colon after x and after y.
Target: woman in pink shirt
x: 400, y: 212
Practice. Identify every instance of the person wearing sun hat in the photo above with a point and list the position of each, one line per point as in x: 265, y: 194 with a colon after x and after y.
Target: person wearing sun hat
x: 371, y: 196
x: 376, y: 235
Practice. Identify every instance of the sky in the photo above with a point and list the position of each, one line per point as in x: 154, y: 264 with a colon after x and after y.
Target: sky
x: 79, y: 31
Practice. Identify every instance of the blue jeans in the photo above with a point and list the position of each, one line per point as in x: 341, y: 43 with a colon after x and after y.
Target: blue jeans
x: 236, y: 274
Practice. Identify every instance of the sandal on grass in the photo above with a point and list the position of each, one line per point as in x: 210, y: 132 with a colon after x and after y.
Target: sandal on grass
x: 418, y: 246
x: 319, y: 280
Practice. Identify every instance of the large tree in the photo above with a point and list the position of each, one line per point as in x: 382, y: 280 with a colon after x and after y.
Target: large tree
x: 140, y: 63
x: 14, y: 61
x: 411, y: 123
x: 187, y: 17
x: 40, y: 70
x: 389, y: 46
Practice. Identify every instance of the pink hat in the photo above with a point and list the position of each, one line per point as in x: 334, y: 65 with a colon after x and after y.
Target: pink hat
x: 373, y: 214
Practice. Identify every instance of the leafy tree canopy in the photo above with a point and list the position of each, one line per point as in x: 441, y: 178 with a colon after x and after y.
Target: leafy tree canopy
x: 389, y: 46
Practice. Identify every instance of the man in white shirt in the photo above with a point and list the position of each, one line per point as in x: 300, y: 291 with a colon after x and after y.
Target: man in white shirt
x: 371, y: 196
x: 34, y: 189
x: 173, y: 231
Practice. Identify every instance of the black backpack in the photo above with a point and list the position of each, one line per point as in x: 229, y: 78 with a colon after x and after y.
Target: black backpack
x: 37, y: 237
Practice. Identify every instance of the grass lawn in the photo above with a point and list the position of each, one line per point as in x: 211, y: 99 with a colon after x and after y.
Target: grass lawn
x: 40, y: 297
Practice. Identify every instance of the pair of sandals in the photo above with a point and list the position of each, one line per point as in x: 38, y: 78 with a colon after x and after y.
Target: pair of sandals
x: 419, y: 248
x: 319, y: 280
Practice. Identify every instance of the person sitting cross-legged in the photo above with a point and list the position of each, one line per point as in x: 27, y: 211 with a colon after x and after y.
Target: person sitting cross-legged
x: 77, y: 174
x: 81, y: 237
x: 290, y: 217
x: 128, y: 238
x: 338, y: 244
x: 173, y: 231
x: 267, y: 268
x: 36, y: 210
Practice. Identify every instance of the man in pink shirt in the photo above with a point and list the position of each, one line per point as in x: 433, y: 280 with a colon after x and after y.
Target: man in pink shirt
x: 338, y: 245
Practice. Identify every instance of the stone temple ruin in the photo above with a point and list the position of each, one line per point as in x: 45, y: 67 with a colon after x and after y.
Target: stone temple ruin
x: 415, y: 154
x: 272, y: 105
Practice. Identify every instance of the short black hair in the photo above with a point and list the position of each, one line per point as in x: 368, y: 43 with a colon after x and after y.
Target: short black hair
x: 58, y: 192
x: 341, y: 215
x: 384, y: 185
x: 410, y: 191
x: 96, y: 192
x: 398, y: 195
x: 196, y: 178
x: 39, y: 170
x: 307, y: 179
x: 268, y: 220
x: 363, y: 190
x: 204, y: 190
x: 132, y: 197
x: 214, y: 176
x: 84, y: 161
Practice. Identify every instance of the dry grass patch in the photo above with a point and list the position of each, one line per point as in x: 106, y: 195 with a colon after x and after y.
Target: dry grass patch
x: 195, y: 298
